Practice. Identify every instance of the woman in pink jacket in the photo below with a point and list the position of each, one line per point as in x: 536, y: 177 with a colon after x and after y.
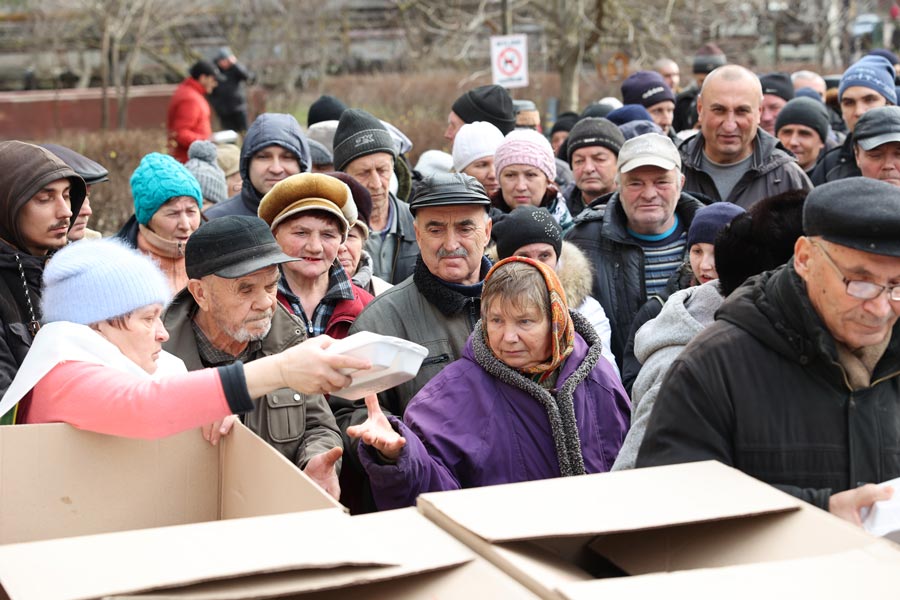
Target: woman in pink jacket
x: 98, y: 364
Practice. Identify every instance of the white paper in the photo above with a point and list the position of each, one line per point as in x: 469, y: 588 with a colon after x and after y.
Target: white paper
x: 883, y: 519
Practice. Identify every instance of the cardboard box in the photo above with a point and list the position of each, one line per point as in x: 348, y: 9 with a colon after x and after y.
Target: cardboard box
x: 850, y: 574
x: 395, y: 555
x: 57, y: 481
x: 551, y: 533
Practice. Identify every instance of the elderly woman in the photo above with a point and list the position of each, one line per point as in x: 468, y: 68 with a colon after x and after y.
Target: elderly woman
x: 167, y: 205
x: 531, y: 232
x: 355, y: 259
x: 473, y: 153
x: 531, y: 398
x: 98, y: 364
x: 310, y: 215
x: 526, y: 169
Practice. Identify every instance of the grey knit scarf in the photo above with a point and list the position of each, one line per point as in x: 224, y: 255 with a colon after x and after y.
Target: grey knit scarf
x: 560, y: 408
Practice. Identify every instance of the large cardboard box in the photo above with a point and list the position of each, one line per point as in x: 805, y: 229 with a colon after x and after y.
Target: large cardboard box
x: 872, y: 571
x: 324, y: 554
x: 548, y: 534
x: 57, y: 481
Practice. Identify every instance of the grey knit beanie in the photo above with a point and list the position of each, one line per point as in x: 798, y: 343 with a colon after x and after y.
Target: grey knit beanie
x: 203, y: 165
x: 360, y: 134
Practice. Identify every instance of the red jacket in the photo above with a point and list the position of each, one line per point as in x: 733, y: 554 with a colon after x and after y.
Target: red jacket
x: 188, y: 118
x: 345, y: 311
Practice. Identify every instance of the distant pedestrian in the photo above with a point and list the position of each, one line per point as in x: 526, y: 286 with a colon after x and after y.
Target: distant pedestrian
x: 229, y: 99
x: 188, y: 118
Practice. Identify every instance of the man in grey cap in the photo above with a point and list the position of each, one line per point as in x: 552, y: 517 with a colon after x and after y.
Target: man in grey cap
x: 638, y: 238
x: 877, y: 144
x: 797, y: 383
x: 229, y: 312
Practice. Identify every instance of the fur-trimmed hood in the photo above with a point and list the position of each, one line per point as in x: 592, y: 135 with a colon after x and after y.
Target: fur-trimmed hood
x: 573, y: 270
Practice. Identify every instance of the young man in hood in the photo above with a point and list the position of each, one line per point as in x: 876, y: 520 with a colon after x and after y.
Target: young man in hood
x: 40, y: 195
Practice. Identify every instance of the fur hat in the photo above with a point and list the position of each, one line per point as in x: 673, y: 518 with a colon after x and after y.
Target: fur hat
x: 203, y: 166
x: 158, y: 178
x: 526, y: 147
x: 760, y: 240
x: 360, y: 134
x: 94, y: 280
x: 305, y: 192
x: 473, y: 141
x: 491, y: 103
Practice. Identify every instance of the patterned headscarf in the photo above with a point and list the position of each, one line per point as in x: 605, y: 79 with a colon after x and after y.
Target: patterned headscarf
x: 562, y: 330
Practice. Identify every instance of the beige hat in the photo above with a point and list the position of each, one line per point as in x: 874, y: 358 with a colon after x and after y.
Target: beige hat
x: 305, y: 192
x: 650, y: 149
x: 229, y: 158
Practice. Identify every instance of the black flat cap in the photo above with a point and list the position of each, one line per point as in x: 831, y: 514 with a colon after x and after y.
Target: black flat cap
x: 857, y: 212
x: 92, y: 172
x: 880, y: 127
x: 448, y: 189
x: 232, y: 247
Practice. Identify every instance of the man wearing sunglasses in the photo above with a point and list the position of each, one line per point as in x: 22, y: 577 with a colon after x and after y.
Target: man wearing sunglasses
x: 797, y: 383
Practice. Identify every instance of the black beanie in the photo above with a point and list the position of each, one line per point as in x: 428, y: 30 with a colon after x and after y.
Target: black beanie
x: 359, y: 134
x: 804, y: 111
x: 594, y: 132
x: 777, y: 84
x: 326, y: 108
x: 597, y: 110
x: 490, y: 103
x: 564, y: 122
x: 708, y: 58
x: 526, y: 225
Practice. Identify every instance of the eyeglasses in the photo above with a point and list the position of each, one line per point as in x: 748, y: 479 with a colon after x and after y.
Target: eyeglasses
x: 863, y: 290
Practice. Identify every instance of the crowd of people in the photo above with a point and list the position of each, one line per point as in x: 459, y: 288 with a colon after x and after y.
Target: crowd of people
x: 674, y: 275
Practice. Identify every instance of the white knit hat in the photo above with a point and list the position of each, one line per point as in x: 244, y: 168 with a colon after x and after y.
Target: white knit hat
x: 94, y: 280
x: 473, y: 141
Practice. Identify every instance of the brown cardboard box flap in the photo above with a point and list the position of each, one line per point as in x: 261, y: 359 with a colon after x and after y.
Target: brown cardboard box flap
x: 871, y: 571
x: 57, y: 481
x: 239, y: 558
x: 634, y: 500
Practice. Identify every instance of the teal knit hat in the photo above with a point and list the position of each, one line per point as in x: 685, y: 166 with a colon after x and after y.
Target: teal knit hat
x: 157, y: 179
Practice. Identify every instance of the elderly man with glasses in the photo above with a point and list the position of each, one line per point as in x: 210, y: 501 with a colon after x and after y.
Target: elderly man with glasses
x: 797, y: 383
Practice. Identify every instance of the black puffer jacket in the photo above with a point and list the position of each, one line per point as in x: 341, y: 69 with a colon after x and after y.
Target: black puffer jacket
x: 762, y: 390
x: 837, y: 163
x: 773, y: 170
x: 618, y: 260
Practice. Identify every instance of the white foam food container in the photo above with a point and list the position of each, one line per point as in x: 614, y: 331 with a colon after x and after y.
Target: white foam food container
x: 394, y: 360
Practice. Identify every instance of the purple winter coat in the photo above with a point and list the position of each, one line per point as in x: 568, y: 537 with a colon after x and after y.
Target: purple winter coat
x: 467, y: 428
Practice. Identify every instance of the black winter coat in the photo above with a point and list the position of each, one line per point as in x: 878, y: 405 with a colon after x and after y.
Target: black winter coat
x: 838, y: 163
x: 15, y: 336
x: 618, y: 260
x: 762, y: 390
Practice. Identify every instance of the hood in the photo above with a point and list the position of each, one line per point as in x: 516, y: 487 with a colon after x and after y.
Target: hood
x: 575, y: 274
x: 267, y: 130
x: 24, y: 170
x: 685, y: 314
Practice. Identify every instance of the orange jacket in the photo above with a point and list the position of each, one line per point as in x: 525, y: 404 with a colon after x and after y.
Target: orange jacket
x: 188, y: 118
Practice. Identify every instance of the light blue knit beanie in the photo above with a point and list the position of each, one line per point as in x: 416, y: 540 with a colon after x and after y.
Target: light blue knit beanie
x: 93, y: 280
x: 158, y: 178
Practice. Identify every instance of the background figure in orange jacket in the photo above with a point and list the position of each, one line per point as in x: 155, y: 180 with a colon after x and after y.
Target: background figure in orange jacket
x: 188, y: 117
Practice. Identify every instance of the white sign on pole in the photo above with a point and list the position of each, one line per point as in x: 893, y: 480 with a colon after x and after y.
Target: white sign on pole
x: 509, y: 60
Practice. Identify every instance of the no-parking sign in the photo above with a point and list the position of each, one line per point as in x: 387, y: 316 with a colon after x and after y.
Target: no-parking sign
x: 509, y: 60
